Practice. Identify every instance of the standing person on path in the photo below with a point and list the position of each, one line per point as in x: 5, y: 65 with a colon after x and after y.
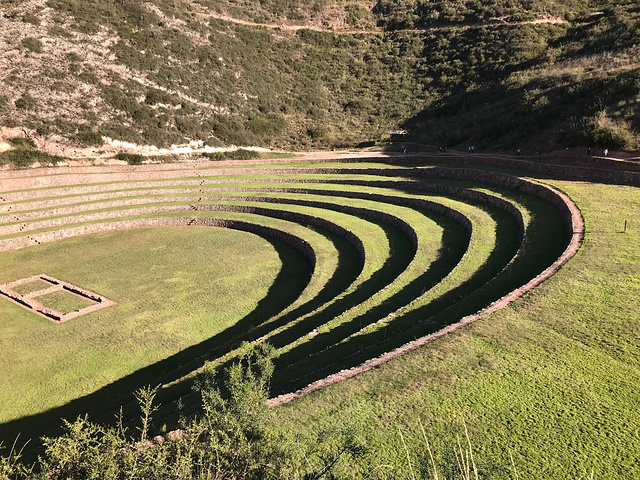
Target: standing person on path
x: 606, y: 152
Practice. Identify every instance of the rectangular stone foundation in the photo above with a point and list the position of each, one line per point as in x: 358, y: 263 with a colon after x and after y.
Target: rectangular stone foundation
x: 29, y: 301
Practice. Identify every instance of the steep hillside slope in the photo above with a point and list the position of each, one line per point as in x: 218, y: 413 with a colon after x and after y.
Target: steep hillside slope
x: 323, y: 74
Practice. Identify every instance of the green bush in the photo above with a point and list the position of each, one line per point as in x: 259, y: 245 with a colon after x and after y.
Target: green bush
x: 31, y: 18
x: 155, y: 96
x: 26, y: 102
x: 234, y: 437
x: 130, y: 158
x: 601, y: 131
x: 239, y: 154
x: 86, y: 136
x: 32, y: 44
x: 21, y: 142
x: 21, y: 157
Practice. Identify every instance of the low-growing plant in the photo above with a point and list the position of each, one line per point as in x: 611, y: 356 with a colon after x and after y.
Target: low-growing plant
x: 602, y: 131
x: 32, y: 44
x: 21, y: 142
x: 21, y: 158
x: 26, y: 102
x: 87, y: 136
x: 31, y: 18
x: 233, y: 438
x: 155, y: 96
x: 239, y: 154
x: 130, y: 158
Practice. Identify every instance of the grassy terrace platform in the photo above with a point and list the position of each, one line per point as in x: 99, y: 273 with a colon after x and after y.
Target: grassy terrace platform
x: 334, y: 264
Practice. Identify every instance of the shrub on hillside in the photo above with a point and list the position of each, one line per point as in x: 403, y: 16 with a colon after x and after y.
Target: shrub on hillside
x: 31, y: 18
x: 21, y: 142
x: 32, y: 44
x: 87, y: 136
x: 240, y: 154
x: 130, y: 158
x: 155, y: 96
x: 26, y: 102
x: 602, y: 131
x: 24, y: 157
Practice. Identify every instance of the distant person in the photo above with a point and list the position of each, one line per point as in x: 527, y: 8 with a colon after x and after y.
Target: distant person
x: 518, y: 152
x: 416, y: 149
x: 606, y: 152
x: 445, y: 149
x: 588, y: 150
x: 473, y: 148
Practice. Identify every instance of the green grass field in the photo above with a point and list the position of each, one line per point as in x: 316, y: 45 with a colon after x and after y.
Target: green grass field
x: 334, y: 264
x: 173, y: 289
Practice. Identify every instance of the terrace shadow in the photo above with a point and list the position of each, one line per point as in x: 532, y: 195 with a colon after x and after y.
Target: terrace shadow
x: 453, y: 245
x: 313, y: 366
x: 543, y: 248
x: 402, y: 252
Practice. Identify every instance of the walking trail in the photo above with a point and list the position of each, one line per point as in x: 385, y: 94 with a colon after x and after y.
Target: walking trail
x: 498, y: 22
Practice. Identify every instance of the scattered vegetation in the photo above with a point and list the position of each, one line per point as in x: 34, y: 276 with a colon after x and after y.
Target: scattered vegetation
x: 85, y: 136
x: 31, y: 18
x: 25, y: 153
x: 26, y: 102
x: 233, y: 438
x: 130, y: 158
x: 530, y: 86
x: 239, y: 154
x: 32, y: 44
x: 22, y: 142
x: 602, y: 131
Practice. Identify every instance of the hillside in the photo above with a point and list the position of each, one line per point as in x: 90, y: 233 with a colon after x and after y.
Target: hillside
x: 323, y: 74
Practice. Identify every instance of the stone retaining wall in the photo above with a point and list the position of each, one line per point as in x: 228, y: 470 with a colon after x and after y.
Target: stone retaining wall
x: 574, y: 244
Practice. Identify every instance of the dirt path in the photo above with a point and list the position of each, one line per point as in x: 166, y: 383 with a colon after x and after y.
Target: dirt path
x: 499, y: 22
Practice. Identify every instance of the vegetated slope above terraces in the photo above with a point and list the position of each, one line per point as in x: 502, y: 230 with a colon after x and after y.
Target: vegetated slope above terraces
x: 335, y: 73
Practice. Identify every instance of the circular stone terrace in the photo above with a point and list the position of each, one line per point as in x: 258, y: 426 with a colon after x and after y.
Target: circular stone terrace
x: 394, y: 255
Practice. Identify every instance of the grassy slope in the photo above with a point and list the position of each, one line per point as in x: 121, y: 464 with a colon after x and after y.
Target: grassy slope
x: 552, y: 378
x: 166, y: 302
x: 501, y: 87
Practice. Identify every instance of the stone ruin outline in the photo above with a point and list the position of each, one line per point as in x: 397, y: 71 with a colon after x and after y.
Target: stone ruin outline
x: 29, y: 301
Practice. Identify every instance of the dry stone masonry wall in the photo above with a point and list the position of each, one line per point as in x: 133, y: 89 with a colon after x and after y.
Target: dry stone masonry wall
x: 57, y: 204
